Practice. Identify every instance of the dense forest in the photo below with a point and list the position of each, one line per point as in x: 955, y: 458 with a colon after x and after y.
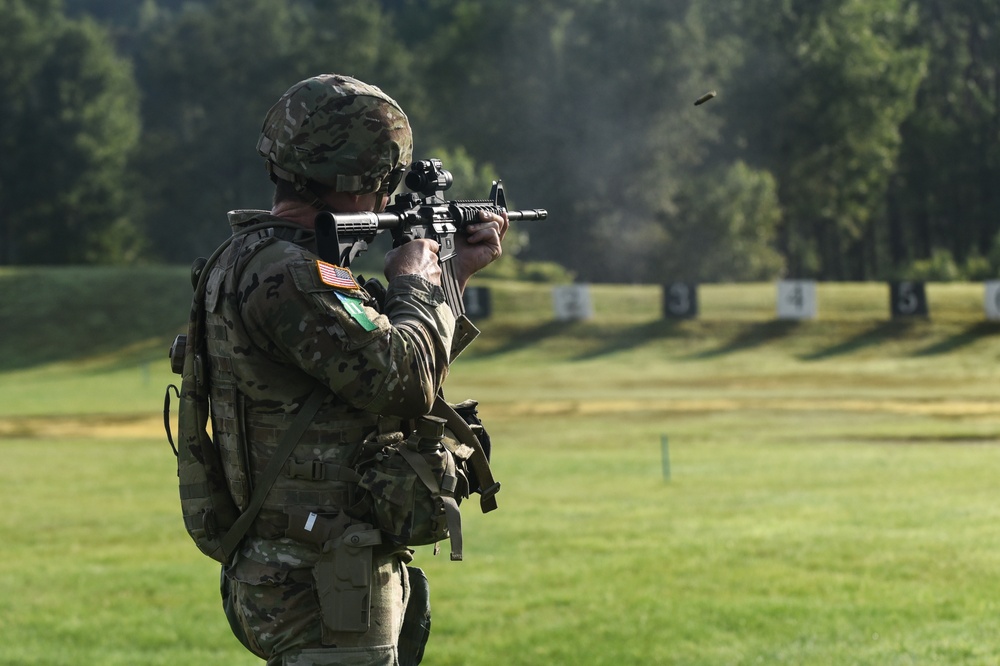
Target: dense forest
x: 849, y: 139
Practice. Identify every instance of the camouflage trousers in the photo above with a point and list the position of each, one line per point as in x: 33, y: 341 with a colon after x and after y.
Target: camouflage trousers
x: 277, y: 616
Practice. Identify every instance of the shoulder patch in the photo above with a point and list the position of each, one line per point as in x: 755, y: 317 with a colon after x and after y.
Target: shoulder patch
x: 357, y: 311
x: 347, y: 305
x: 336, y: 276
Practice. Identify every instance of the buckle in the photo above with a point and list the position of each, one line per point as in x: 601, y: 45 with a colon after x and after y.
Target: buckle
x: 311, y: 470
x: 486, y: 493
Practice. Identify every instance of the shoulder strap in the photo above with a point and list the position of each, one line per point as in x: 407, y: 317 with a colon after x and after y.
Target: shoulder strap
x: 232, y: 538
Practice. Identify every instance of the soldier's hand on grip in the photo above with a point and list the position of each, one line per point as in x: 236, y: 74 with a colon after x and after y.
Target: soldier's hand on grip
x: 417, y: 257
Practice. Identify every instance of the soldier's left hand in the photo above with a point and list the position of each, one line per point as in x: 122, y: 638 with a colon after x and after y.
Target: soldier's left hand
x: 480, y: 245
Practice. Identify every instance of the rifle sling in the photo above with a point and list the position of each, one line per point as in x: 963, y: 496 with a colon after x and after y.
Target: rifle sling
x: 231, y: 540
x: 480, y: 465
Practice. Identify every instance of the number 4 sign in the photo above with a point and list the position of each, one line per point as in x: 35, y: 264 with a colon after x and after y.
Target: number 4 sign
x: 797, y: 299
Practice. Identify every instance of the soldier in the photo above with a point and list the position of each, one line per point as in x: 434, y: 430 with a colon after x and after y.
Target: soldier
x: 279, y: 322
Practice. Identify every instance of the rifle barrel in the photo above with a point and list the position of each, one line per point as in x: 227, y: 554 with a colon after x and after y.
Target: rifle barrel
x: 527, y: 215
x: 368, y: 223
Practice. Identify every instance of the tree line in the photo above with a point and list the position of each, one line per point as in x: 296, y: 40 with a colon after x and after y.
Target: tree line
x: 848, y: 140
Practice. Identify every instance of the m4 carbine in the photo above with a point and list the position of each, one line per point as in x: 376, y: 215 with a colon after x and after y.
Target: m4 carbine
x: 422, y: 213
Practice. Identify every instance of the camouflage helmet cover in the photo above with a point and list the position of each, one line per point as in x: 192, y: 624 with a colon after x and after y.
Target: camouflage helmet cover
x: 338, y: 131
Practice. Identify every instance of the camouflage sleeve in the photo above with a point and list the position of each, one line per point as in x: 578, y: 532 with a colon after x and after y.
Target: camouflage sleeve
x: 391, y: 363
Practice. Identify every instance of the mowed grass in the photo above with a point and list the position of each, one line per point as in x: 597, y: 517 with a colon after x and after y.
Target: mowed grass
x: 760, y: 549
x: 832, y: 493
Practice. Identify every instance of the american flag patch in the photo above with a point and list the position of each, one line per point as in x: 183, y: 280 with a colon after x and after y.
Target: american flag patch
x: 335, y: 276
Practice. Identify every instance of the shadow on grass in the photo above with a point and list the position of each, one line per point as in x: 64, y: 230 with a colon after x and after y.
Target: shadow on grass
x: 967, y: 337
x: 871, y: 337
x: 97, y: 359
x: 957, y: 439
x: 632, y: 337
x: 751, y: 337
x: 117, y: 316
x: 897, y: 328
x: 144, y: 354
x: 522, y: 338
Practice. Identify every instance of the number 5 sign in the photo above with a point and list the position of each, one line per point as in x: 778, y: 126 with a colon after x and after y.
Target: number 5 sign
x: 907, y: 299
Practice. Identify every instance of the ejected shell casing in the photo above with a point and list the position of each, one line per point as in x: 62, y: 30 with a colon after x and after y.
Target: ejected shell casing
x: 704, y: 98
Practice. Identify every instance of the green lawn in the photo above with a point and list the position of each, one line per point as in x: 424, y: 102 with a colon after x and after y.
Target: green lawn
x: 832, y: 494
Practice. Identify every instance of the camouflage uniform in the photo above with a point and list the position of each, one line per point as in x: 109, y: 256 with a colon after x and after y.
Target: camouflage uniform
x: 274, y: 330
x: 277, y: 328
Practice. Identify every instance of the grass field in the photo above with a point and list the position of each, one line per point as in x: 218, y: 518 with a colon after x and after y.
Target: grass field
x: 832, y: 490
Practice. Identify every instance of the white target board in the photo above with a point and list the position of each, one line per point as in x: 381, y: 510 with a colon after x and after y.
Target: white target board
x: 991, y: 299
x: 572, y: 302
x: 797, y: 299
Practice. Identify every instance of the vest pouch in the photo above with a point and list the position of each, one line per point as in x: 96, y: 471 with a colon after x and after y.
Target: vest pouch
x: 415, y: 486
x: 208, y: 508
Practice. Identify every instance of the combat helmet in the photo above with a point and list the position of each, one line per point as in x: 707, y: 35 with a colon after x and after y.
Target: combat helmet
x: 337, y: 131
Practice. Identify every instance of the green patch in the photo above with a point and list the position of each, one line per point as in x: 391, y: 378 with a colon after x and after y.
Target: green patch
x: 357, y: 311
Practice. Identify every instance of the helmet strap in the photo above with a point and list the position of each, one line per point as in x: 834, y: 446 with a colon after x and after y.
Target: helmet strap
x: 302, y: 186
x: 308, y: 193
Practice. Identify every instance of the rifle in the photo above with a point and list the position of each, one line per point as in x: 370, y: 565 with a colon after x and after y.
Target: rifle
x: 422, y: 213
